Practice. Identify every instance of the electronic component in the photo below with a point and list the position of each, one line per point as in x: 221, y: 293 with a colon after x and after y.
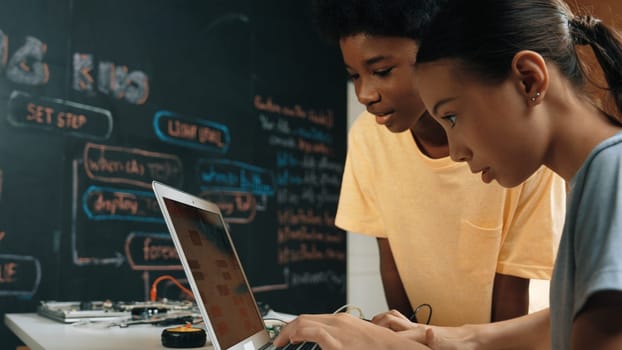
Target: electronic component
x: 74, y: 311
x: 183, y: 337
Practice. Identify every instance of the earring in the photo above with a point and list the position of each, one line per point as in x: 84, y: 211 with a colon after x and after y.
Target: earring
x: 533, y: 99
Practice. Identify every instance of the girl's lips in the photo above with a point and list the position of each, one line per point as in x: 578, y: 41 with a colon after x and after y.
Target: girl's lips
x: 383, y: 119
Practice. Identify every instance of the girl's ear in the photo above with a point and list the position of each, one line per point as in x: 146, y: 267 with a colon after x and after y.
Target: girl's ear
x: 531, y: 76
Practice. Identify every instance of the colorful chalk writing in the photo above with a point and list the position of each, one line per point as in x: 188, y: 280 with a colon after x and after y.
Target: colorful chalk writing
x: 300, y: 138
x: 63, y: 117
x: 229, y: 175
x: 317, y: 278
x: 296, y: 128
x: 104, y: 203
x: 316, y: 179
x: 310, y: 252
x: 323, y: 118
x: 304, y: 233
x: 112, y: 79
x: 19, y: 275
x: 96, y: 110
x: 132, y: 166
x: 236, y: 207
x: 308, y: 181
x: 81, y: 254
x: 282, y: 126
x: 26, y: 66
x: 196, y: 133
x: 151, y: 251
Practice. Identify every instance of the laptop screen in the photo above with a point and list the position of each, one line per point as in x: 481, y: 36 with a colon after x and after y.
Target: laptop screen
x: 216, y: 272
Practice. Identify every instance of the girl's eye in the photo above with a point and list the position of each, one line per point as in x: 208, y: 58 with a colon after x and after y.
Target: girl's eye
x: 353, y: 77
x: 451, y: 119
x: 383, y: 72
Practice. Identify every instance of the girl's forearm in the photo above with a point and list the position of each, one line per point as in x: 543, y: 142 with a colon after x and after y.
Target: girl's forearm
x: 527, y: 332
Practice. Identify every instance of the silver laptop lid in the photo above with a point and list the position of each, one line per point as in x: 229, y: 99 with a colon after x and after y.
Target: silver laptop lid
x: 213, y: 269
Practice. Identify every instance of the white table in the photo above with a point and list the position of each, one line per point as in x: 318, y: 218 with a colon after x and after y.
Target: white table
x: 40, y: 333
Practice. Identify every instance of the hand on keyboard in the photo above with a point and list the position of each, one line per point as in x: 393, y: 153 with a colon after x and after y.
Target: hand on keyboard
x: 341, y: 331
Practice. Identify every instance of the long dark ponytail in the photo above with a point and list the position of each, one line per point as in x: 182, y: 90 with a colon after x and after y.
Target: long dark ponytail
x: 607, y: 47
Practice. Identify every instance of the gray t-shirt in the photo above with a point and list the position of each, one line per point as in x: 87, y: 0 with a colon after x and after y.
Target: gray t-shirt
x: 590, y: 251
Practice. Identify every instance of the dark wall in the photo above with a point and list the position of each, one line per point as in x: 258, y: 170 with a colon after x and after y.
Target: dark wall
x: 237, y: 101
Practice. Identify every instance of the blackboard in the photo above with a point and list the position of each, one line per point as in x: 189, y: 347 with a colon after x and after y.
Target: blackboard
x: 237, y: 101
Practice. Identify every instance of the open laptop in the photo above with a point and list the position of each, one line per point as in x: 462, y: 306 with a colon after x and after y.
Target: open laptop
x: 215, y: 275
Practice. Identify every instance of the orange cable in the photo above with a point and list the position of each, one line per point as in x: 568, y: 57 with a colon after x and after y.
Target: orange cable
x: 153, y: 294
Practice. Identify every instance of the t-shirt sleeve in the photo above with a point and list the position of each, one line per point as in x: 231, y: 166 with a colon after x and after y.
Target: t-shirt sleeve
x: 533, y: 223
x: 357, y: 208
x: 598, y: 229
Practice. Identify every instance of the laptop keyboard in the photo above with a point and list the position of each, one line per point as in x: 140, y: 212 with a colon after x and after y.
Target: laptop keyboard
x: 290, y: 346
x: 300, y: 346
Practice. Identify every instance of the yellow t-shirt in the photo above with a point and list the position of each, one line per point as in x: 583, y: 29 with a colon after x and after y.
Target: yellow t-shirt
x: 449, y: 232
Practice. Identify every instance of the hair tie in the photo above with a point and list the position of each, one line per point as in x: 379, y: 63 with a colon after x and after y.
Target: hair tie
x: 582, y: 29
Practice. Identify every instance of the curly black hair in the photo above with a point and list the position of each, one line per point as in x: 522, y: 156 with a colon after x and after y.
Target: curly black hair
x: 336, y: 19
